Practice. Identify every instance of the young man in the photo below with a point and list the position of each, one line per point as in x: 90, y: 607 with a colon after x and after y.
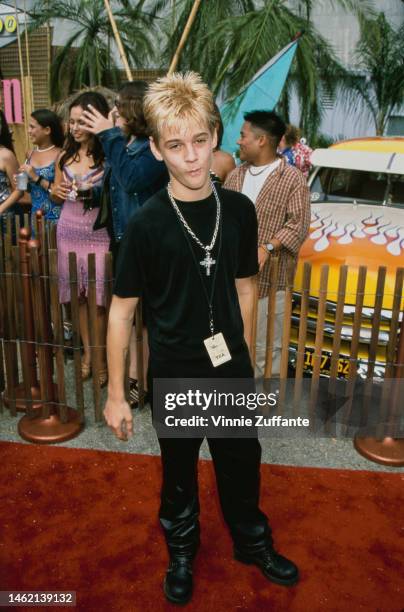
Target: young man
x: 282, y: 201
x: 190, y: 253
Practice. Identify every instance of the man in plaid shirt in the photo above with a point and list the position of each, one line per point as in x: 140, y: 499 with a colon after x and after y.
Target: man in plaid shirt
x: 282, y: 201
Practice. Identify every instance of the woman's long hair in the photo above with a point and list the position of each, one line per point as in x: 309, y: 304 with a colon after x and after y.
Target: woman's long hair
x: 130, y: 106
x: 47, y: 118
x: 95, y: 149
x: 6, y: 139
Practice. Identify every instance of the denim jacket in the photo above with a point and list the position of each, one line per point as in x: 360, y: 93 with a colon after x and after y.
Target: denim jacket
x: 132, y: 175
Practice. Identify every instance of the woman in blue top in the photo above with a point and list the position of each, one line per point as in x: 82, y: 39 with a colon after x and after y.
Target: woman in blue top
x: 9, y: 195
x: 46, y: 134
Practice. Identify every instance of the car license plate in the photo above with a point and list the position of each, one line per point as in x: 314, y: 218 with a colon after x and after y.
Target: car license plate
x: 325, y: 364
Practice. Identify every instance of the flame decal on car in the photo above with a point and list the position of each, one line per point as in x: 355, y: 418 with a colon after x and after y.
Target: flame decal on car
x: 379, y: 229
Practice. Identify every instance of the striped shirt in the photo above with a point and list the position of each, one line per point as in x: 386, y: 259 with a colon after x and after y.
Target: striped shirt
x: 283, y: 212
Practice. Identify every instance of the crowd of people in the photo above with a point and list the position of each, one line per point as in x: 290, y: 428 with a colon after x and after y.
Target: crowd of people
x: 91, y: 175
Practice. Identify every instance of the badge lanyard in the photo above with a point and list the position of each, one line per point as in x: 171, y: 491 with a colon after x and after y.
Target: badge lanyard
x: 209, y: 298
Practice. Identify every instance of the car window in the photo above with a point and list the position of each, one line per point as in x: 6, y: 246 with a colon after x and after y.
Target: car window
x: 347, y: 185
x: 396, y: 190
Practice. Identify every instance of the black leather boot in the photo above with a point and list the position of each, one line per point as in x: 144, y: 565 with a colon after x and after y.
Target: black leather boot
x: 178, y: 581
x: 276, y: 568
x: 182, y: 537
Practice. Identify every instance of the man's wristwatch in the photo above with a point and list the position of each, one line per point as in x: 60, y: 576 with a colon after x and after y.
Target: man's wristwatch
x: 269, y: 247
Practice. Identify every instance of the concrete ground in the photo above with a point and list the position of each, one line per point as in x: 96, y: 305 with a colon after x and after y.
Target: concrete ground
x: 308, y: 451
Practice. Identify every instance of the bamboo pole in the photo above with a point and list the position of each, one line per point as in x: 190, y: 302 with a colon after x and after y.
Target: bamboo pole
x: 23, y: 87
x: 185, y: 34
x: 28, y: 83
x: 118, y: 41
x: 48, y: 53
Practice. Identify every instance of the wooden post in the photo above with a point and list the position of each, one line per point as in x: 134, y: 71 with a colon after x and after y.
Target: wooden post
x: 185, y: 34
x: 7, y: 376
x: 57, y: 323
x: 46, y: 428
x: 394, y: 324
x: 273, y: 283
x: 376, y: 320
x: 76, y: 342
x: 118, y: 41
x: 302, y: 337
x: 339, y: 319
x: 41, y: 328
x: 94, y: 334
x: 13, y: 390
x: 290, y: 276
x: 318, y: 344
x: 321, y: 312
x: 27, y: 349
x: 390, y: 450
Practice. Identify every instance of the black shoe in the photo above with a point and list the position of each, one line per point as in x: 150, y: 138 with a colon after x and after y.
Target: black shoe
x: 178, y: 580
x: 274, y: 567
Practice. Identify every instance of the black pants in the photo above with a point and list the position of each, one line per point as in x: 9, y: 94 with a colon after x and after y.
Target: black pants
x: 237, y: 464
x: 237, y: 469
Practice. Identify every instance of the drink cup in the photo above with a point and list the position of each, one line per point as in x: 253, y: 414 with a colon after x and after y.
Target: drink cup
x: 85, y: 194
x: 21, y: 181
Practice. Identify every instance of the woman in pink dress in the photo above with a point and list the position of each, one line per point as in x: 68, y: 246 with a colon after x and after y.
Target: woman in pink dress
x: 78, y: 180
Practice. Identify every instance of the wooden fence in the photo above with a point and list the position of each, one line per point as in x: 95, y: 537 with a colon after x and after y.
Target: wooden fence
x: 38, y: 334
x: 394, y: 357
x: 34, y: 347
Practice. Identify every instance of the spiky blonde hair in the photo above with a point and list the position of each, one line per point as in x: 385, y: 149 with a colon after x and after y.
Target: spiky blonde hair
x: 176, y: 100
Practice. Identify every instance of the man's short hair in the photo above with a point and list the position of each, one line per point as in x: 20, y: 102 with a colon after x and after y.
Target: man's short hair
x: 269, y: 122
x: 173, y: 101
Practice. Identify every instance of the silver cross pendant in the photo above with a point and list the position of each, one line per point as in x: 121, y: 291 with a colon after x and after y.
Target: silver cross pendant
x: 208, y: 262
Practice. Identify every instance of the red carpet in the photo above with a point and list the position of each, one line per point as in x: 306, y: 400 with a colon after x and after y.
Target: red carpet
x: 86, y: 521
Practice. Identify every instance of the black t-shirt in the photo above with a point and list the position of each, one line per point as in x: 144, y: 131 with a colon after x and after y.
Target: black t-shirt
x: 160, y: 262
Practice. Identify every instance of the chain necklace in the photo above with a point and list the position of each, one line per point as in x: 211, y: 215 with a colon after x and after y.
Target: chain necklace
x: 208, y: 262
x: 47, y: 149
x: 261, y: 171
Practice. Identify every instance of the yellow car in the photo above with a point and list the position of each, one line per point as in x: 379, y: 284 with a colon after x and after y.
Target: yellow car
x: 357, y: 195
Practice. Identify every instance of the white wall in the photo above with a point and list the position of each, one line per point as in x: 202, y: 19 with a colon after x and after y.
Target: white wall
x: 342, y: 31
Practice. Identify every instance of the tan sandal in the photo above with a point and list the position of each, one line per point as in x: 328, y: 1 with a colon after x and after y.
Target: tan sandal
x: 85, y: 370
x: 103, y: 377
